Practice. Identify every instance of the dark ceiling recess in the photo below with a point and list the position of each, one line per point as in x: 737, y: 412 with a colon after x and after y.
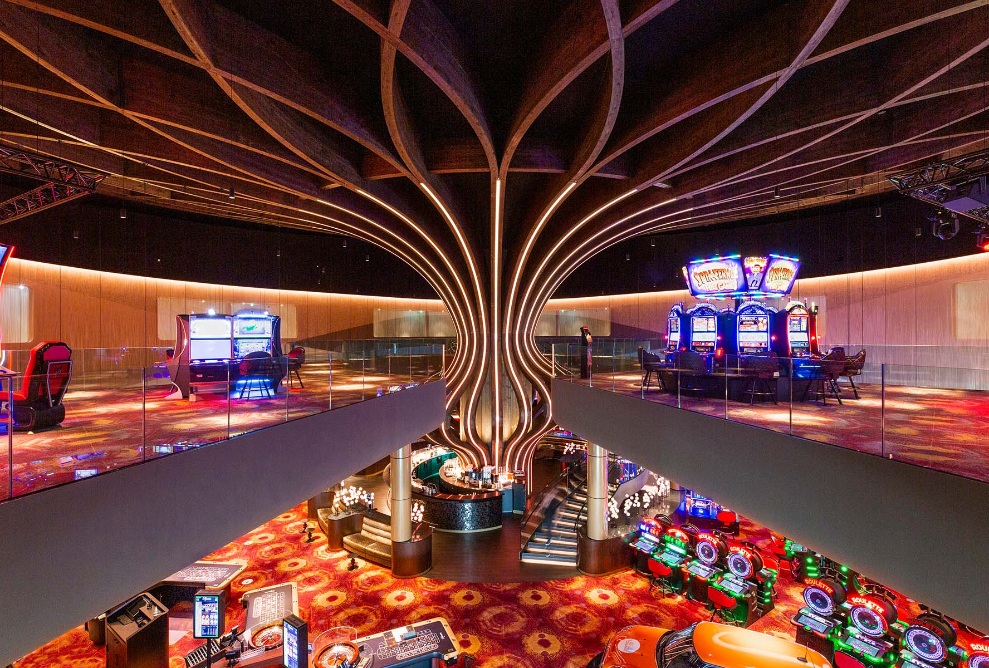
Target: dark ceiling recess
x: 188, y: 247
x: 833, y: 239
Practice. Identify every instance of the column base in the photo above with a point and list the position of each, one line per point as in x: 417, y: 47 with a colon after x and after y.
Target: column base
x: 411, y: 558
x: 601, y: 557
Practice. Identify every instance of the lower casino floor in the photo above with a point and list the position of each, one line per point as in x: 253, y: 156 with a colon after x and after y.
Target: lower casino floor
x: 561, y: 622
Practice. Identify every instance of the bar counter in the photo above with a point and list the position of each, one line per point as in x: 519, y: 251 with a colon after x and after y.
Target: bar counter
x: 477, y: 511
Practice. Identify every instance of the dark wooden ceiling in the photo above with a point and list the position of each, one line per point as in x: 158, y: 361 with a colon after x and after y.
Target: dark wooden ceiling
x: 494, y: 145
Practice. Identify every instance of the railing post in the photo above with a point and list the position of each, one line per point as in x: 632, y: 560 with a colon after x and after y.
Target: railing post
x: 144, y: 414
x: 10, y: 436
x: 882, y: 417
x: 229, y: 394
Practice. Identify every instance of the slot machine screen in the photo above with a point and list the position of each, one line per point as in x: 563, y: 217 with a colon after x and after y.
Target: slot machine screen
x: 704, y: 331
x: 208, y: 327
x: 209, y: 349
x: 753, y: 331
x: 798, y: 329
x: 244, y: 347
x: 674, y: 328
x: 253, y: 327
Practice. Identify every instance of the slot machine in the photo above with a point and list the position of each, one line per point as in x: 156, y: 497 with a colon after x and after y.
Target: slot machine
x: 868, y: 636
x: 674, y: 327
x: 929, y: 641
x: 702, y: 329
x: 699, y: 510
x: 795, y: 331
x: 821, y: 615
x: 752, y: 328
x: 676, y: 547
x: 710, y: 551
x: 649, y: 541
x: 747, y: 582
x: 255, y: 331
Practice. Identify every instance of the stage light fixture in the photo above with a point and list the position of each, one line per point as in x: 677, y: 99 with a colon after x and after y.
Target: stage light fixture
x: 944, y: 226
x: 982, y: 238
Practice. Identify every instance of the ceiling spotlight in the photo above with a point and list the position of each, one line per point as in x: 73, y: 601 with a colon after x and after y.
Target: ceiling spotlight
x: 652, y: 242
x: 982, y: 238
x: 776, y: 192
x: 123, y: 213
x: 345, y: 242
x: 367, y: 258
x: 75, y: 234
x: 231, y: 194
x: 944, y: 226
x: 879, y: 212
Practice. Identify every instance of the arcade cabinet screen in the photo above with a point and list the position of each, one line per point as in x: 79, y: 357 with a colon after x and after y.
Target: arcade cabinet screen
x: 209, y: 349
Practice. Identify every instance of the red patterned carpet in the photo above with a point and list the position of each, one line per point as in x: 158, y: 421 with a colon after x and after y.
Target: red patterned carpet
x: 946, y: 430
x: 560, y: 623
x: 109, y: 427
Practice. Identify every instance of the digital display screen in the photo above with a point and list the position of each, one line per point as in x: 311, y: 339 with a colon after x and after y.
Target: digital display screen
x: 734, y: 586
x: 753, y: 339
x: 798, y: 323
x: 753, y: 323
x: 700, y: 570
x: 862, y: 647
x: 260, y: 327
x: 85, y: 473
x: 704, y: 323
x: 206, y: 616
x: 674, y: 325
x: 290, y: 646
x: 3, y: 253
x: 780, y: 275
x: 244, y: 347
x: 201, y: 327
x: 209, y: 349
x: 814, y: 622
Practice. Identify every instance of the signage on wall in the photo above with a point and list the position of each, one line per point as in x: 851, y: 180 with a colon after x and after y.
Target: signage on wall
x: 730, y: 276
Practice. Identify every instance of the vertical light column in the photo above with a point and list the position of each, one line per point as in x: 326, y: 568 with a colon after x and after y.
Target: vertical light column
x: 495, y: 372
x: 597, y: 492
x: 401, y: 495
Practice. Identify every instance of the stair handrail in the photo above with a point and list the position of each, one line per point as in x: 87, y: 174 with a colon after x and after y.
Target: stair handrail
x: 552, y: 496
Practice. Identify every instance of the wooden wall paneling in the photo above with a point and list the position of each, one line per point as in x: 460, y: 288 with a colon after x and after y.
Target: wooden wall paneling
x: 44, y: 283
x: 121, y: 311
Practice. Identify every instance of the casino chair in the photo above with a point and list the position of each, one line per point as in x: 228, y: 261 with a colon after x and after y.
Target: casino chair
x: 661, y: 574
x: 727, y: 521
x: 256, y: 373
x: 691, y: 369
x: 761, y: 370
x: 651, y: 363
x: 296, y: 358
x: 853, y: 367
x: 824, y: 376
x: 723, y: 605
x: 843, y: 660
x: 38, y: 404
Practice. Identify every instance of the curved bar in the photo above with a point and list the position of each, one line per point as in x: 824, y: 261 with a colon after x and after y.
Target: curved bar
x: 461, y: 512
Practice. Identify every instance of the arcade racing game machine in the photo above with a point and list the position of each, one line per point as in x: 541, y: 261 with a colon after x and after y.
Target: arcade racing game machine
x: 702, y: 644
x: 209, y: 347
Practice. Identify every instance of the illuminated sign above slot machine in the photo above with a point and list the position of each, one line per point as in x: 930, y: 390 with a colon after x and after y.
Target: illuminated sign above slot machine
x: 732, y: 276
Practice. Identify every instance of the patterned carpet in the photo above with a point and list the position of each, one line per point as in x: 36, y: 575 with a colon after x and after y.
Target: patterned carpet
x: 946, y: 430
x: 560, y: 623
x: 109, y: 424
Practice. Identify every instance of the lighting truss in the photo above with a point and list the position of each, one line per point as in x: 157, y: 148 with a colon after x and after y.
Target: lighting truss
x: 936, y: 182
x: 63, y: 182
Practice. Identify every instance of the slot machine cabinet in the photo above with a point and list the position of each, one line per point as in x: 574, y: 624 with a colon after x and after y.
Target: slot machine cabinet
x: 710, y: 551
x: 675, y: 327
x: 742, y: 581
x: 753, y: 328
x: 867, y: 636
x: 929, y: 641
x: 137, y: 634
x: 821, y: 616
x: 649, y: 541
x: 702, y: 329
x: 795, y: 331
x: 254, y: 331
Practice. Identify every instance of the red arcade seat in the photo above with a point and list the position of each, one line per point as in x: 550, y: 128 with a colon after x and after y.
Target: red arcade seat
x: 38, y: 404
x: 723, y: 605
x: 660, y: 574
x: 842, y: 660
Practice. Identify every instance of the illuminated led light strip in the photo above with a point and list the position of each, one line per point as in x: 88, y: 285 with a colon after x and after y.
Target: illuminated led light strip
x: 516, y: 277
x: 473, y: 397
x: 517, y: 335
x: 496, y: 407
x: 461, y: 360
x: 457, y: 377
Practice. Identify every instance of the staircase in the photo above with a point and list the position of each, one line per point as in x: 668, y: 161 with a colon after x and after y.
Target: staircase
x: 555, y: 541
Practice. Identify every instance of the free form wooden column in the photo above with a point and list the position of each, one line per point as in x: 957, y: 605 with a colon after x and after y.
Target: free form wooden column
x: 597, y: 492
x: 401, y: 495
